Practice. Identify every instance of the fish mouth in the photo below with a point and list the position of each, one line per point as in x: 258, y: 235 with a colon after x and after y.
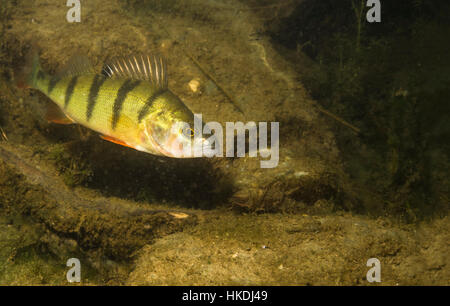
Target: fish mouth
x: 173, y: 142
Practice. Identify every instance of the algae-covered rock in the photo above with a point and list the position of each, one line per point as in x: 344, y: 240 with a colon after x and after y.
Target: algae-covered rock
x: 102, y: 226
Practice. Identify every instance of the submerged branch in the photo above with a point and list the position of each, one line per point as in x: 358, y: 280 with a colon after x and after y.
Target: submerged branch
x: 339, y: 119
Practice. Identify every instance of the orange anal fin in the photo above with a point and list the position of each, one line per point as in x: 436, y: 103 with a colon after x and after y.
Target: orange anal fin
x: 115, y: 140
x: 56, y: 115
x: 62, y: 121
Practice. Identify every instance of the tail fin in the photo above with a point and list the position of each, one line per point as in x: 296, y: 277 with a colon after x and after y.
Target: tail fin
x: 27, y: 74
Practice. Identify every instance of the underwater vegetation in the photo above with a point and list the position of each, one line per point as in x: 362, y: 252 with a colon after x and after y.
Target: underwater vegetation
x: 392, y: 81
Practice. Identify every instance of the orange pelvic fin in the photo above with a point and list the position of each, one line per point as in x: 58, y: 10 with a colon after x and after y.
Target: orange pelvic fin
x: 56, y: 115
x: 115, y: 140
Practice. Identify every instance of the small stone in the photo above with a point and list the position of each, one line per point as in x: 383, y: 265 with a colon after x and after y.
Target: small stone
x: 166, y: 44
x: 194, y: 85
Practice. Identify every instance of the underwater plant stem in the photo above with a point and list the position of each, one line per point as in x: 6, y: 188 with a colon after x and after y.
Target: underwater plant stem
x: 358, y: 15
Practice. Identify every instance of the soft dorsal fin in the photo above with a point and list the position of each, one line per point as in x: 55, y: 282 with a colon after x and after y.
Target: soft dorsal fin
x: 77, y: 65
x: 151, y: 68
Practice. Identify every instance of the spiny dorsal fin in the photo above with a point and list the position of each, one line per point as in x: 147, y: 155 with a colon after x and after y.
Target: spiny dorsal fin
x: 151, y: 68
x: 77, y: 65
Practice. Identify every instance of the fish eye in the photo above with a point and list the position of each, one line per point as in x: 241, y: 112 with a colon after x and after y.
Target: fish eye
x: 188, y: 132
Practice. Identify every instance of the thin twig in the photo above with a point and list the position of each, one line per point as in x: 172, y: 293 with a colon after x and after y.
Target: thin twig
x: 3, y: 134
x: 339, y: 119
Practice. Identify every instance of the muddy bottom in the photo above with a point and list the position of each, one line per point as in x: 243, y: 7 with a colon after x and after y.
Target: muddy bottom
x: 228, y: 249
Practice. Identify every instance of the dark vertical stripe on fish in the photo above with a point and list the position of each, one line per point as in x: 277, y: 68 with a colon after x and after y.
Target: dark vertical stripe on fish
x: 52, y: 83
x: 128, y: 86
x: 93, y: 93
x: 69, y: 91
x: 144, y: 110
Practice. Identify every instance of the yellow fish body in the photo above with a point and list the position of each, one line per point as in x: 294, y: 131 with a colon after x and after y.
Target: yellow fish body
x: 129, y: 103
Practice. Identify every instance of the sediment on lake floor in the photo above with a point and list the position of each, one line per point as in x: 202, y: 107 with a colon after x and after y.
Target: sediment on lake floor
x: 103, y: 226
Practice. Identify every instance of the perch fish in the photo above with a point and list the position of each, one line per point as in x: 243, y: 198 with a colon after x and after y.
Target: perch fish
x: 128, y: 103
